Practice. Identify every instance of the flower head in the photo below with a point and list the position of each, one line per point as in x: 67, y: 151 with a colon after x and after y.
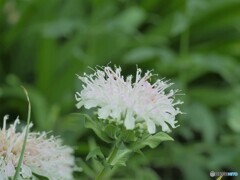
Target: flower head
x: 43, y: 156
x: 133, y: 102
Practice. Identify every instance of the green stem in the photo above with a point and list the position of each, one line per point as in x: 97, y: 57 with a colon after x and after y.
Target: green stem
x: 109, y: 160
x: 16, y: 176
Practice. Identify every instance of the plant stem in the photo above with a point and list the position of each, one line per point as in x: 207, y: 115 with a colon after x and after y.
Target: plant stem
x: 16, y: 176
x: 109, y: 160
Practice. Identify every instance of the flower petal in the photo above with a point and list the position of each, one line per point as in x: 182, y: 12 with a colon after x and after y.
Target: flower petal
x: 151, y: 126
x: 104, y: 112
x: 26, y: 171
x: 79, y: 104
x: 129, y: 121
x: 90, y: 104
x: 10, y: 169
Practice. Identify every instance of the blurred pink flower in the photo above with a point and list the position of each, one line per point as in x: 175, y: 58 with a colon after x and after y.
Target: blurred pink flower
x: 43, y: 156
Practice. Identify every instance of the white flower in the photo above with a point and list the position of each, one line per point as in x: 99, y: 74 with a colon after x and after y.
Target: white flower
x: 43, y: 156
x: 134, y: 101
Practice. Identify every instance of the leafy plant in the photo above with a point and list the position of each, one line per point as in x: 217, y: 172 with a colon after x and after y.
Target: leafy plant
x: 43, y: 44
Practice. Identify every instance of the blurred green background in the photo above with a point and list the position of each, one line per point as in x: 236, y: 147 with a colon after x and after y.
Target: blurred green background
x: 195, y: 43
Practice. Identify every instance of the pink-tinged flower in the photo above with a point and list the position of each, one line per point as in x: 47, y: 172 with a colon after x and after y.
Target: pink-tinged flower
x: 43, y: 156
x: 133, y: 102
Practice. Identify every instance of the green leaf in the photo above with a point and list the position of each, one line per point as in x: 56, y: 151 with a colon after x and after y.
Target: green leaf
x: 213, y: 97
x: 86, y: 169
x: 121, y: 156
x: 233, y: 119
x: 36, y: 176
x: 139, y: 152
x: 130, y: 19
x: 96, y: 127
x: 95, y: 153
x: 129, y: 136
x: 180, y: 23
x: 111, y: 130
x: 142, y: 54
x: 58, y: 28
x: 152, y: 141
x: 208, y: 126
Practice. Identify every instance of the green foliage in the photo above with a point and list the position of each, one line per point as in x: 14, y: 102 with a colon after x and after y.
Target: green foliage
x: 43, y: 44
x: 95, y: 153
x: 151, y: 140
x: 125, y: 142
x: 97, y: 127
x: 121, y: 156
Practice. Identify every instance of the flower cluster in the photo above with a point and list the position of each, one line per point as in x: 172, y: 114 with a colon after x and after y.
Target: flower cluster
x: 134, y: 102
x: 43, y: 156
